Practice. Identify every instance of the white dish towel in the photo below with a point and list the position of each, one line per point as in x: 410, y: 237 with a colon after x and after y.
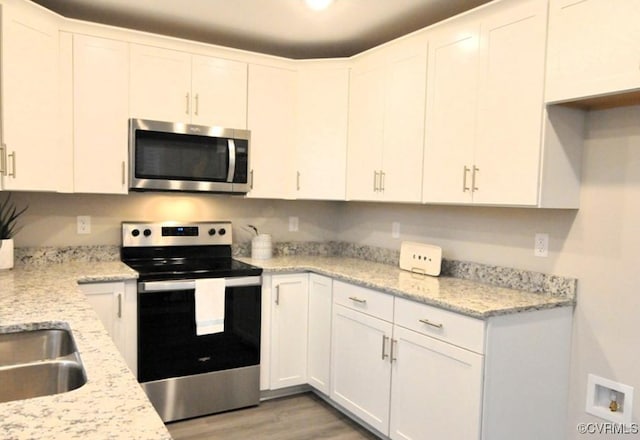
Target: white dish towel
x: 209, y: 298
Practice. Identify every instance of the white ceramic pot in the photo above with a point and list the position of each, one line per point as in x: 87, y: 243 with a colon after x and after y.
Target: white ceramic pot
x: 6, y: 254
x: 261, y: 247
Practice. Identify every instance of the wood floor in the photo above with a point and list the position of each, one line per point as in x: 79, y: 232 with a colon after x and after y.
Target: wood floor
x: 299, y: 417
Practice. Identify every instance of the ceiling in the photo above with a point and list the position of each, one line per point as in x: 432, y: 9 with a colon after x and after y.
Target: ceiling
x: 278, y: 27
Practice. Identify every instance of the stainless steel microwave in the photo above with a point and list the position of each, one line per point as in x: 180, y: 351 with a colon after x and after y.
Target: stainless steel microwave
x: 166, y: 156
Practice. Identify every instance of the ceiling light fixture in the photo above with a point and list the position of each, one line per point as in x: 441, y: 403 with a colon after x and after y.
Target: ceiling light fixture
x: 318, y: 5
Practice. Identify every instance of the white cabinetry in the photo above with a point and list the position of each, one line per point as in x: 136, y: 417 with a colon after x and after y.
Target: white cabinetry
x: 321, y: 143
x: 319, y: 345
x: 116, y: 306
x: 100, y: 113
x: 289, y: 322
x: 433, y: 378
x: 360, y: 348
x: 174, y: 86
x: 271, y: 119
x: 485, y: 107
x: 32, y: 155
x: 593, y: 49
x: 386, y: 125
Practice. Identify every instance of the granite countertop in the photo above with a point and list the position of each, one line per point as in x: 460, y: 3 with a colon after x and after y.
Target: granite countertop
x: 111, y: 405
x: 472, y: 298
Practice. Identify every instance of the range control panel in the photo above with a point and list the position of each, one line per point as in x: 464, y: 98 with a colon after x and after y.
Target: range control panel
x: 176, y: 233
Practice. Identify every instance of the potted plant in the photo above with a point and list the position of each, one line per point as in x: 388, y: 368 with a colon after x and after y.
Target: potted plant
x: 9, y: 214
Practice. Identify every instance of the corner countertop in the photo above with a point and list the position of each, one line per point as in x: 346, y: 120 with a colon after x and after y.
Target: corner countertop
x: 471, y: 298
x: 111, y: 405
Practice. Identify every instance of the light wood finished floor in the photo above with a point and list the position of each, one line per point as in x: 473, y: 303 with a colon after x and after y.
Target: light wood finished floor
x: 299, y: 417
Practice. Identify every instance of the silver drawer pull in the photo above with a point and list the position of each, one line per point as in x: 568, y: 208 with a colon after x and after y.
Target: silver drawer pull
x: 358, y: 300
x: 432, y: 324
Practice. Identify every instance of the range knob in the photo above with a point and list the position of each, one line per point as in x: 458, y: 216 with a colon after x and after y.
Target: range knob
x: 147, y: 232
x: 135, y: 232
x: 212, y: 231
x: 222, y: 231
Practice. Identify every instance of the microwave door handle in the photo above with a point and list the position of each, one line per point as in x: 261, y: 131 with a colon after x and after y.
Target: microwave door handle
x: 232, y: 160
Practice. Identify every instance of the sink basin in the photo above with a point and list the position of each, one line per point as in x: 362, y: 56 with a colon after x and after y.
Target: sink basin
x: 35, y: 363
x: 44, y: 378
x: 35, y: 345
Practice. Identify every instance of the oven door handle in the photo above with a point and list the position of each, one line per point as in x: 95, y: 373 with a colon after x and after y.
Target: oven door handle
x: 164, y: 286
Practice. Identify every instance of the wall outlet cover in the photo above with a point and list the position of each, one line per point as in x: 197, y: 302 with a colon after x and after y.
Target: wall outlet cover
x: 421, y: 258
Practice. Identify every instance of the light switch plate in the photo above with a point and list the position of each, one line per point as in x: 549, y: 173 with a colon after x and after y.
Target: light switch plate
x: 420, y: 258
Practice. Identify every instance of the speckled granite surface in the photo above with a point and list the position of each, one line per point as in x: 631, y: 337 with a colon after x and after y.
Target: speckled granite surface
x: 469, y: 297
x: 111, y: 405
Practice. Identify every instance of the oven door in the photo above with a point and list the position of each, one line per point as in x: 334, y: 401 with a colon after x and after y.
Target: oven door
x: 167, y: 342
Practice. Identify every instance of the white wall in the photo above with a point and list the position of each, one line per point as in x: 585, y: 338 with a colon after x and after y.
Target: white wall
x: 599, y: 244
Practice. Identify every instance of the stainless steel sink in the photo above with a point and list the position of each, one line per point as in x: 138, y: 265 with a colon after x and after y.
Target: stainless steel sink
x: 35, y: 345
x: 36, y: 363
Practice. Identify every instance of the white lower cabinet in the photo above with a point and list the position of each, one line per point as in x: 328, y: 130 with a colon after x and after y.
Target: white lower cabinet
x: 319, y: 337
x: 116, y: 306
x: 289, y: 323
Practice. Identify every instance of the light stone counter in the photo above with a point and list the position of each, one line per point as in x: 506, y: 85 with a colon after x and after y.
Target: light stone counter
x: 472, y: 298
x: 111, y: 405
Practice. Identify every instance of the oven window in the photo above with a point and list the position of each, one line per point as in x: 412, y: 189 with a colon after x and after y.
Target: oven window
x: 169, y: 347
x: 175, y: 156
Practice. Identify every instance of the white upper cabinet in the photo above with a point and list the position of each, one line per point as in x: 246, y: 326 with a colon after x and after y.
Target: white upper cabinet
x: 100, y: 113
x: 321, y: 142
x: 174, y: 86
x: 593, y: 49
x: 386, y: 123
x: 272, y: 121
x: 32, y: 154
x: 485, y: 107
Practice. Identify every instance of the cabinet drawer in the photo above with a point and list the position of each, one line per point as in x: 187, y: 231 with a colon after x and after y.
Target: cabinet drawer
x: 460, y: 330
x: 365, y: 300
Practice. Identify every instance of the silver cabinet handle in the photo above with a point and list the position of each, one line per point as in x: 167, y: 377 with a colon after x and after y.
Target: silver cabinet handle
x: 358, y: 300
x: 13, y: 164
x: 473, y: 179
x: 197, y: 99
x: 119, y: 305
x: 465, y: 188
x: 375, y: 181
x: 251, y: 180
x: 3, y: 160
x: 384, y: 347
x: 432, y: 324
x: 187, y: 103
x: 278, y: 295
x: 298, y: 181
x: 382, y: 176
x: 393, y: 357
x: 123, y: 173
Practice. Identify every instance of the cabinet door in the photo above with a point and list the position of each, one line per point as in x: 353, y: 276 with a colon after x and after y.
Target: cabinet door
x: 160, y: 84
x: 271, y: 119
x: 437, y: 389
x: 360, y: 367
x: 323, y: 100
x: 319, y: 353
x: 599, y: 58
x: 219, y: 90
x: 404, y: 126
x: 30, y: 101
x: 450, y: 124
x: 510, y: 109
x: 116, y: 305
x: 289, y: 317
x: 100, y: 114
x: 366, y: 121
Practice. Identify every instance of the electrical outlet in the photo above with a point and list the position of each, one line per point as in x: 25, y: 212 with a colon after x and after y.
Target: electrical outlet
x: 395, y: 230
x: 293, y: 224
x: 83, y: 224
x: 541, y: 245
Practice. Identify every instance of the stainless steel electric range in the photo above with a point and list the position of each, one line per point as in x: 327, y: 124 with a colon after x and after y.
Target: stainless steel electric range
x: 198, y: 318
